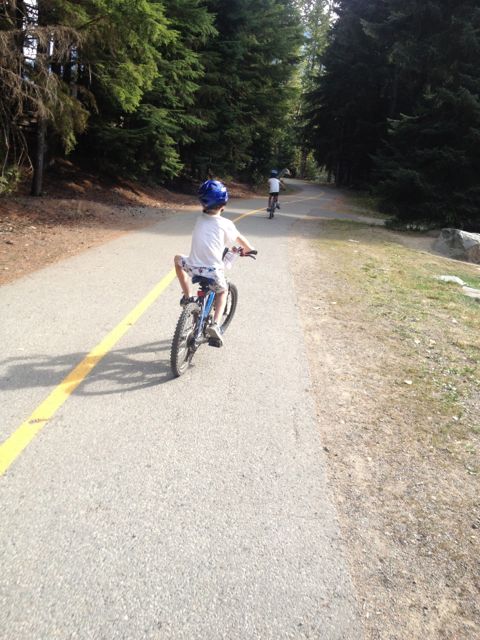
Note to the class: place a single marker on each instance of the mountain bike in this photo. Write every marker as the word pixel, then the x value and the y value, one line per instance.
pixel 197 315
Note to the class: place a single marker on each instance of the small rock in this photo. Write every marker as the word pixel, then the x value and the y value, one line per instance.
pixel 408 382
pixel 453 279
pixel 472 293
pixel 9 242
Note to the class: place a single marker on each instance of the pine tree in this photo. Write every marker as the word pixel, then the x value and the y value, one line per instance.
pixel 317 17
pixel 347 114
pixel 34 44
pixel 244 97
pixel 430 165
pixel 140 129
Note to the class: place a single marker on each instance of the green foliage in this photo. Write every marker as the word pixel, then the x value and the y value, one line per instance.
pixel 145 110
pixel 430 166
pixel 397 104
pixel 245 96
pixel 9 180
pixel 347 110
pixel 145 88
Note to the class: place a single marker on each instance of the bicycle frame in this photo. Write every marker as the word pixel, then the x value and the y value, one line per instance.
pixel 207 305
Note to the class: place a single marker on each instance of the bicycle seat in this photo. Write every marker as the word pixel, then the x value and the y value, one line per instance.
pixel 202 281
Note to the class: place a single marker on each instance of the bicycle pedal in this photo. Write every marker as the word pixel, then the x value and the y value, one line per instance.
pixel 214 342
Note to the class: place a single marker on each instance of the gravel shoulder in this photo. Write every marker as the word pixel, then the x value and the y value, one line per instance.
pixel 394 358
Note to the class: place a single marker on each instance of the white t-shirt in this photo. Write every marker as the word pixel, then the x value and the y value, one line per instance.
pixel 210 237
pixel 274 185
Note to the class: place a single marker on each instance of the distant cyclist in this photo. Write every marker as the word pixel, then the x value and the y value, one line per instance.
pixel 274 186
pixel 211 235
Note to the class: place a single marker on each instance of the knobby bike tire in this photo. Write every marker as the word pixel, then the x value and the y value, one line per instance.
pixel 180 353
pixel 231 307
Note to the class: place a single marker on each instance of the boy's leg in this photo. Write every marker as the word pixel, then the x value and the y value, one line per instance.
pixel 220 304
pixel 182 277
pixel 214 331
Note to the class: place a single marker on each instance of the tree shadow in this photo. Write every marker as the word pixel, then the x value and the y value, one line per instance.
pixel 120 371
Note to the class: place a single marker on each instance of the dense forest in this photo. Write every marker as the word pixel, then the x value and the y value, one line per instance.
pixel 378 94
pixel 396 107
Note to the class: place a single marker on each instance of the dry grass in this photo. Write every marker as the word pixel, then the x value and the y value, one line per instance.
pixel 431 323
pixel 394 355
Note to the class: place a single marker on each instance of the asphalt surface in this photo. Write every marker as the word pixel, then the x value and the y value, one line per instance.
pixel 154 508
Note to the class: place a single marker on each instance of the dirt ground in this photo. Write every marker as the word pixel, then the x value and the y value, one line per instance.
pixel 403 473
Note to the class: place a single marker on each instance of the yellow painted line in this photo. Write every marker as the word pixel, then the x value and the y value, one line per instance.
pixel 16 443
pixel 11 448
pixel 249 213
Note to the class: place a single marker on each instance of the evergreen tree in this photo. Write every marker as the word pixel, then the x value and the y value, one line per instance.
pixel 347 115
pixel 144 111
pixel 430 165
pixel 317 17
pixel 244 97
pixel 34 44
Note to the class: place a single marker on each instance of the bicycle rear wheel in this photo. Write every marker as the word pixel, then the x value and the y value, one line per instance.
pixel 230 307
pixel 183 343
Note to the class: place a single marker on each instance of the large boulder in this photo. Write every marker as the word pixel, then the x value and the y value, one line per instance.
pixel 460 245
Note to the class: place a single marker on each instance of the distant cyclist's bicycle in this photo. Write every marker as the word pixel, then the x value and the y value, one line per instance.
pixel 197 316
pixel 272 205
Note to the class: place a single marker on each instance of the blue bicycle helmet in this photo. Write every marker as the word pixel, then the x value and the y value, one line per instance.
pixel 213 194
pixel 273 173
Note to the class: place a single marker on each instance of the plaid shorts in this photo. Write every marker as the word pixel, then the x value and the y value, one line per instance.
pixel 215 274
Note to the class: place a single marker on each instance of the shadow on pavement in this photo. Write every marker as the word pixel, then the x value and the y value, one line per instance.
pixel 120 371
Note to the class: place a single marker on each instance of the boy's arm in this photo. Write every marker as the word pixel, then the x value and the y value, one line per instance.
pixel 243 242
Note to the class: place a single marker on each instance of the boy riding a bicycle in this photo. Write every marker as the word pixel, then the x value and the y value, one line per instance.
pixel 211 235
pixel 274 186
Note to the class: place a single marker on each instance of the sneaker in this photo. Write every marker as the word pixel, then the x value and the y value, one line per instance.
pixel 213 331
pixel 278 206
pixel 184 300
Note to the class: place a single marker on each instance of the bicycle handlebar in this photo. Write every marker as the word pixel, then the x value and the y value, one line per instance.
pixel 249 254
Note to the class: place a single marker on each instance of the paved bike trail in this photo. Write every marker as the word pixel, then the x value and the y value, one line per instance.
pixel 153 508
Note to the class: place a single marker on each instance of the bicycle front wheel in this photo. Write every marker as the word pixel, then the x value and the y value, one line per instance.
pixel 230 307
pixel 183 343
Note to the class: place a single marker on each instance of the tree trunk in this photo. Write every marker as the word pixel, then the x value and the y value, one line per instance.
pixel 303 162
pixel 394 97
pixel 39 160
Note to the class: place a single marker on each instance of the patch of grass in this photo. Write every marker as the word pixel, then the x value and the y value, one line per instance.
pixel 432 324
pixel 366 203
